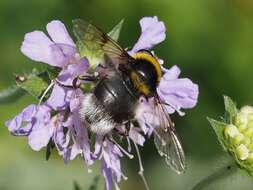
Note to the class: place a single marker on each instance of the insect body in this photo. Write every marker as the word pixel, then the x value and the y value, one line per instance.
pixel 115 97
pixel 122 80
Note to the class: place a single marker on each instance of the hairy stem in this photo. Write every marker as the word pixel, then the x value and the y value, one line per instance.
pixel 221 173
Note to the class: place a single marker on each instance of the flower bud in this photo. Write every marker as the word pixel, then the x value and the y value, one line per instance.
pixel 238 139
pixel 250 117
pixel 246 141
pixel 241 118
pixel 250 124
pixel 242 152
pixel 242 127
pixel 248 132
pixel 231 130
pixel 247 109
pixel 250 157
pixel 250 146
pixel 237 135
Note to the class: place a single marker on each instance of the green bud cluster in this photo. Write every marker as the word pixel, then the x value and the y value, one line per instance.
pixel 239 137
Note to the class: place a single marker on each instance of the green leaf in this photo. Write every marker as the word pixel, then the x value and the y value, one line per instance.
pixel 10 94
pixel 35 84
pixel 219 131
pixel 230 108
pixel 52 72
pixel 115 32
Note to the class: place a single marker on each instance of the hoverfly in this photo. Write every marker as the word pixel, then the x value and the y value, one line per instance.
pixel 122 79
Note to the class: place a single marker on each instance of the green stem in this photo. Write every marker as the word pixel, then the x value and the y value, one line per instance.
pixel 222 173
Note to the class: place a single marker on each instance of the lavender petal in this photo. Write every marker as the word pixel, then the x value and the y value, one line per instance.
pixel 58 33
pixel 152 33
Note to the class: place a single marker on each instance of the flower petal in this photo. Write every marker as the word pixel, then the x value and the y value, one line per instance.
pixel 82 138
pixel 21 119
pixel 60 97
pixel 24 131
pixel 172 73
pixel 42 129
pixel 153 32
pixel 75 101
pixel 177 92
pixel 39 136
pixel 147 117
pixel 15 123
pixel 38 47
pixel 62 54
pixel 58 33
pixel 107 173
pixel 98 145
pixel 135 135
pixel 68 74
pixel 75 150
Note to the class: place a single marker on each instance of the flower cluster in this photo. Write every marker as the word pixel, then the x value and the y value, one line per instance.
pixel 236 134
pixel 56 118
pixel 240 134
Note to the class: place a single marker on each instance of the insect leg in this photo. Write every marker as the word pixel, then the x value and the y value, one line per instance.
pixel 88 78
pixel 74 85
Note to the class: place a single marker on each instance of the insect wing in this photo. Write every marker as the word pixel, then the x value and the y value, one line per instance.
pixel 167 141
pixel 96 45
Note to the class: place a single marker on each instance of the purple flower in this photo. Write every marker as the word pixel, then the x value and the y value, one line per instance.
pixel 40 126
pixel 77 130
pixel 38 47
pixel 152 33
pixel 136 136
pixel 22 123
pixel 107 173
pixel 146 116
pixel 57 119
pixel 34 122
pixel 109 154
pixel 59 51
pixel 176 92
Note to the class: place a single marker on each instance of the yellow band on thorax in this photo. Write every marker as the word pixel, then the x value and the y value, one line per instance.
pixel 150 59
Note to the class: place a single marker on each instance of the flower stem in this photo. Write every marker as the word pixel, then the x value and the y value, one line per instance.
pixel 141 170
pixel 221 173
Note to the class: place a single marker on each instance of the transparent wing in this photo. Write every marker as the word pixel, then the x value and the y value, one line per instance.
pixel 166 139
pixel 93 42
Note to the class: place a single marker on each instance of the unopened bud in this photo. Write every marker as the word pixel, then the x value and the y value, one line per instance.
pixel 231 130
pixel 246 141
pixel 247 109
pixel 250 146
pixel 242 152
pixel 248 132
pixel 242 127
pixel 250 124
pixel 238 138
pixel 250 157
pixel 250 117
pixel 241 118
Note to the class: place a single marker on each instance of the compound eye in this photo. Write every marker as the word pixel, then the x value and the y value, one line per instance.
pixel 146 51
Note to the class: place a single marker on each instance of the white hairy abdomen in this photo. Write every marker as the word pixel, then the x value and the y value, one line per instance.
pixel 95 115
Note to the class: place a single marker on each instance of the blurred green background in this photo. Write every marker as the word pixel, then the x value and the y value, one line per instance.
pixel 210 40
